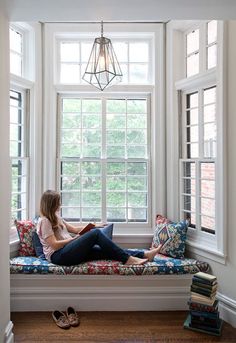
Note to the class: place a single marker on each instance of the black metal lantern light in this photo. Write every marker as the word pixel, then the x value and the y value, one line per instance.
pixel 103 69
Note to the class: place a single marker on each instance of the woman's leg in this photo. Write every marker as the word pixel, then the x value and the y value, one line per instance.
pixel 80 250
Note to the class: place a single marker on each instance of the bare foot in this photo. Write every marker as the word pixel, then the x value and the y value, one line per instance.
pixel 150 254
pixel 136 260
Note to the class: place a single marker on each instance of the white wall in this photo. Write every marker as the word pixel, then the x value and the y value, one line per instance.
pixel 107 10
pixel 5 323
pixel 226 274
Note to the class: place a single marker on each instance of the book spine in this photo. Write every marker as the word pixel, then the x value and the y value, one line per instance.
pixel 204 308
pixel 203 291
pixel 206 315
pixel 207 282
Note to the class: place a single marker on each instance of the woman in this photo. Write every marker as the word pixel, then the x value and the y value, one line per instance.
pixel 61 248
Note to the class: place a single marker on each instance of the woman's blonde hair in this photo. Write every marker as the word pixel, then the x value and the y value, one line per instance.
pixel 49 204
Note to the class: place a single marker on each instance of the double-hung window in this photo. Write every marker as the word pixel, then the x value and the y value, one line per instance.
pixel 201 126
pixel 19 154
pixel 104 158
pixel 198 159
pixel 104 146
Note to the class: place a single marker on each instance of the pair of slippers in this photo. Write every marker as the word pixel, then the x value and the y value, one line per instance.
pixel 66 320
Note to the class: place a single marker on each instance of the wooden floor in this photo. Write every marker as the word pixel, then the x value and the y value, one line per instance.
pixel 117 327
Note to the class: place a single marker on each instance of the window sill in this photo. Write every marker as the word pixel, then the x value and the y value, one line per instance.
pixel 206 251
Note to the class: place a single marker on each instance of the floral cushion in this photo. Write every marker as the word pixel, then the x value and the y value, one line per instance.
pixel 171 235
pixel 25 230
pixel 160 265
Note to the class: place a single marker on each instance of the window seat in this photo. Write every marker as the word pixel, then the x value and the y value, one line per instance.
pixel 161 265
pixel 161 285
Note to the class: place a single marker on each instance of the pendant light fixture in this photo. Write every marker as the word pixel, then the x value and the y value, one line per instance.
pixel 103 69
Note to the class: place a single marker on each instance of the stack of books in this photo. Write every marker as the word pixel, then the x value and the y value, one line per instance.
pixel 203 305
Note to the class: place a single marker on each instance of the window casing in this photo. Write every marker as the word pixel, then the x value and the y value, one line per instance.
pixel 19 154
pixel 201 48
pixel 134 56
pixel 197 165
pixel 104 158
pixel 16 51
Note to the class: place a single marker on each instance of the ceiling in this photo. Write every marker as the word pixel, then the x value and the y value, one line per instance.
pixel 117 10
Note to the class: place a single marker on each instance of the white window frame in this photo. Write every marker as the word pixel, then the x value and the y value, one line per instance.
pixel 51 88
pixel 25 146
pixel 203 45
pixel 30 83
pixel 104 159
pixel 126 38
pixel 214 249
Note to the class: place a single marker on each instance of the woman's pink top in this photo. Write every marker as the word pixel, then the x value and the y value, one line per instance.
pixel 45 230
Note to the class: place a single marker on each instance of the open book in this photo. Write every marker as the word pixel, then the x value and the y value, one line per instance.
pixel 87 228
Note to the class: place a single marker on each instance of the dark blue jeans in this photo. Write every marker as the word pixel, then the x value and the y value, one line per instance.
pixel 93 245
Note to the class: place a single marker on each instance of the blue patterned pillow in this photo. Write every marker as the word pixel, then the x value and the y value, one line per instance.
pixel 37 245
pixel 172 236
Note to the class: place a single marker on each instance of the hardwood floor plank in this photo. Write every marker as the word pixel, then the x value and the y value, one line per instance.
pixel 115 327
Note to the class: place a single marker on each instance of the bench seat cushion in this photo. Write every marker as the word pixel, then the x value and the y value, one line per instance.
pixel 161 265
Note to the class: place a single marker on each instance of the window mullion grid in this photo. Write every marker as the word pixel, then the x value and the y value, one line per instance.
pixel 126 160
pixel 104 161
pixel 202 48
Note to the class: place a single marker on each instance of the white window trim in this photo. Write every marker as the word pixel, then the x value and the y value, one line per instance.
pixel 139 227
pixel 31 83
pixel 175 58
pixel 158 106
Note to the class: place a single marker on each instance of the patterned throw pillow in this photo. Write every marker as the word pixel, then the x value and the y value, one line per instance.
pixel 25 230
pixel 171 235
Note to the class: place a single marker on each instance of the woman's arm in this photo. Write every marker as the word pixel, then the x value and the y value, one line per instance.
pixel 72 228
pixel 55 244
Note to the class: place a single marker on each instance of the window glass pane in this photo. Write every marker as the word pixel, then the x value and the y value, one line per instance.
pixel 212 31
pixel 210 140
pixel 16 41
pixel 137 168
pixel 70 52
pixel 208 171
pixel 91 214
pixel 211 56
pixel 192 117
pixel 192 134
pixel 124 70
pixel 192 100
pixel 192 41
pixel 137 106
pixel 208 207
pixel 121 51
pixel 70 121
pixel 116 106
pixel 137 215
pixel 70 199
pixel 116 121
pixel 16 64
pixel 209 95
pixel 189 186
pixel 137 199
pixel 136 121
pixel 138 73
pixel 208 188
pixel 193 64
pixel 125 182
pixel 189 169
pixel 116 214
pixel 70 73
pixel 71 105
pixel 192 150
pixel 209 113
pixel 138 52
pixel 86 48
pixel 208 224
pixel 189 203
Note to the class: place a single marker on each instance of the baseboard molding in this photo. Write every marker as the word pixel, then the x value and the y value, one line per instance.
pixel 8 335
pixel 227 307
pixel 100 293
